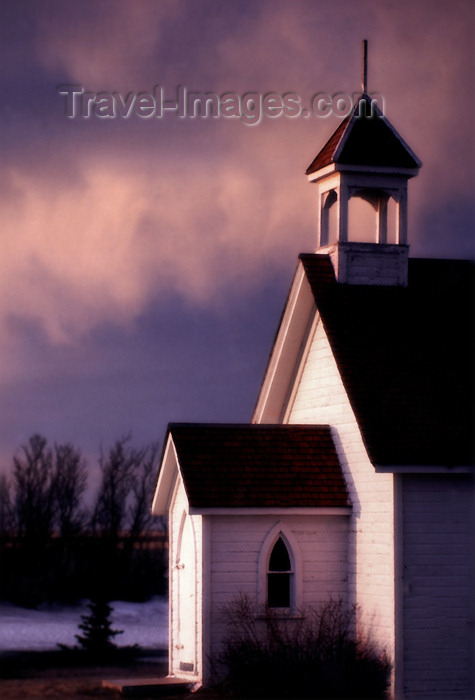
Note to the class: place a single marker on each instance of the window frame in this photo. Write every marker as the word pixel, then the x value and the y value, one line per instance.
pixel 274 574
pixel 280 531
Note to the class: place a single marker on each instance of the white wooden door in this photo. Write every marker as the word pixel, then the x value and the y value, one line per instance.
pixel 185 582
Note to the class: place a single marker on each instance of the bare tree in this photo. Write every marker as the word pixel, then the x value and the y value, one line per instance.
pixel 33 477
pixel 70 480
pixel 7 519
pixel 110 512
pixel 42 510
pixel 144 473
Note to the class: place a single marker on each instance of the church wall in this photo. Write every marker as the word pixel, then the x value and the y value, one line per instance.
pixel 237 543
pixel 437 585
pixel 319 397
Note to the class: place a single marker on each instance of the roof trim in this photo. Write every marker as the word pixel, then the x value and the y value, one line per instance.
pixel 423 469
pixel 272 510
pixel 167 476
pixel 296 321
pixel 333 150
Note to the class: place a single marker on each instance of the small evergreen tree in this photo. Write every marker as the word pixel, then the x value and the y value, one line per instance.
pixel 98 633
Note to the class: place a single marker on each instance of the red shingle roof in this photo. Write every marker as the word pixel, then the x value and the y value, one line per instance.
pixel 326 155
pixel 406 357
pixel 367 141
pixel 253 466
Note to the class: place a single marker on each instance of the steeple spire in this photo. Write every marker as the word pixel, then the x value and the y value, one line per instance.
pixel 364 68
pixel 364 159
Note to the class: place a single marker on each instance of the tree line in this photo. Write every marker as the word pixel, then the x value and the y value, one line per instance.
pixel 54 547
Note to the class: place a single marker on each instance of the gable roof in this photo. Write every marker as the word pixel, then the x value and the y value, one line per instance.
pixel 248 466
pixel 406 357
pixel 366 140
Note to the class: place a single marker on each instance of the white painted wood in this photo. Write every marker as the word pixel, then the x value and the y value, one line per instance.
pixel 357 181
pixel 438 586
pixel 285 356
pixel 416 579
pixel 320 175
pixel 185 576
pixel 270 511
pixel 186 605
pixel 319 397
pixel 237 548
pixel 166 480
pixel 369 263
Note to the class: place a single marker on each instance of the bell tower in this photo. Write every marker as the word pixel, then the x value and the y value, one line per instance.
pixel 365 160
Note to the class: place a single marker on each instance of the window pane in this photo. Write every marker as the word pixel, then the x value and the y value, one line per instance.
pixel 278 590
pixel 279 559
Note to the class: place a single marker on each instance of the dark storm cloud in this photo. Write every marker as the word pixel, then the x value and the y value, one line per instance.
pixel 106 222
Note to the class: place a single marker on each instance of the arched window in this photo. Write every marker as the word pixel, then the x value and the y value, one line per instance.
pixel 279 577
pixel 329 224
pixel 280 571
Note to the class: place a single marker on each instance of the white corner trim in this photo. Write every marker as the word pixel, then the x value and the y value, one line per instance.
pixel 397 675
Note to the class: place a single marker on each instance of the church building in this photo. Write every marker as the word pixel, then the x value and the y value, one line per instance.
pixel 355 477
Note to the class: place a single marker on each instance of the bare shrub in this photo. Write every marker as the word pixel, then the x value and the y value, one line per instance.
pixel 315 654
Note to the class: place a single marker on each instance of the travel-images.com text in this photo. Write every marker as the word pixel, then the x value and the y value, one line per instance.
pixel 250 108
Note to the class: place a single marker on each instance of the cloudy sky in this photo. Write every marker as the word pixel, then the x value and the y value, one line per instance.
pixel 144 260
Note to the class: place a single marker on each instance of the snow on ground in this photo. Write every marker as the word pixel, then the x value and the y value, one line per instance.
pixel 145 624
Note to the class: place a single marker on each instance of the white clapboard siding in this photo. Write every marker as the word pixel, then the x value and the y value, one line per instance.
pixel 438 603
pixel 319 397
pixel 235 549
